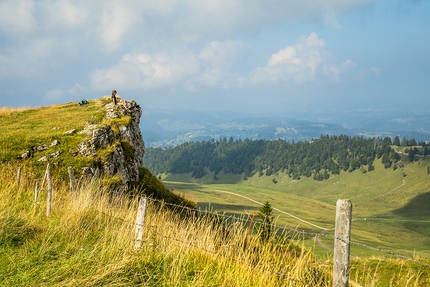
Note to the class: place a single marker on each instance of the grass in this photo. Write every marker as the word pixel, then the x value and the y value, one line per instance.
pixel 88 240
pixel 23 130
pixel 390 210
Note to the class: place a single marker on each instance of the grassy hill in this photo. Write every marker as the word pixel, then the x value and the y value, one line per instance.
pixel 88 239
pixel 33 131
pixel 390 207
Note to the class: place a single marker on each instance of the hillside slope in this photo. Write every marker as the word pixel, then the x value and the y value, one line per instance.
pixel 97 140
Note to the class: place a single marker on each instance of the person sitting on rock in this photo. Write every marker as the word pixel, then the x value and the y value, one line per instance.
pixel 114 97
pixel 121 102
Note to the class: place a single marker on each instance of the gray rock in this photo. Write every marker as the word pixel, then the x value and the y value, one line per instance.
pixel 42 147
pixel 86 170
pixel 103 137
pixel 43 159
pixel 26 155
pixel 54 143
pixel 55 154
pixel 111 114
pixel 89 128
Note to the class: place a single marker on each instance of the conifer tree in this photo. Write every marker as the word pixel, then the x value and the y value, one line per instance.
pixel 266 216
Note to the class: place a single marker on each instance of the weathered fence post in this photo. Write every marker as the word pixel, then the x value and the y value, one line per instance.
pixel 48 177
pixel 36 196
pixel 18 177
pixel 44 177
pixel 342 243
pixel 250 225
pixel 72 180
pixel 140 221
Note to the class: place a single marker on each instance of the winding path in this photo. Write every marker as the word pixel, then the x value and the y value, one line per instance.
pixel 278 210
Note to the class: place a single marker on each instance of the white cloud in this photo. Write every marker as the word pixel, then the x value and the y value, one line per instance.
pixel 303 62
pixel 43 38
pixel 213 66
pixel 139 70
pixel 64 15
pixel 16 17
pixel 223 52
pixel 115 22
pixel 77 90
pixel 174 69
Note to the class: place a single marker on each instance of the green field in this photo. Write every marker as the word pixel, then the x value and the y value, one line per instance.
pixel 391 209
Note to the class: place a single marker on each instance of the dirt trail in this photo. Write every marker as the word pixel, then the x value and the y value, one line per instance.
pixel 278 210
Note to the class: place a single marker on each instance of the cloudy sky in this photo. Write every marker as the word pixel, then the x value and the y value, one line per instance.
pixel 247 55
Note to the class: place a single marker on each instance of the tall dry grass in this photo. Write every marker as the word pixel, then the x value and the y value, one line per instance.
pixel 88 240
pixel 5 111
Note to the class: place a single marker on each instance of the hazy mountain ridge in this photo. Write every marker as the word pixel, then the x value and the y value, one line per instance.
pixel 162 128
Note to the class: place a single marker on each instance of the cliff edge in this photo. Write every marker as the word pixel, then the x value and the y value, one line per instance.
pixel 96 138
pixel 124 142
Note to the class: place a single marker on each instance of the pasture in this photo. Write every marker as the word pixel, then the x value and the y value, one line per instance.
pixel 391 208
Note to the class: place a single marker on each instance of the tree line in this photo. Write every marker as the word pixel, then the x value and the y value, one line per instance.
pixel 318 158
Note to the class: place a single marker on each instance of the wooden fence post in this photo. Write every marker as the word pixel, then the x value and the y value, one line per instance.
pixel 18 177
pixel 342 243
pixel 36 196
pixel 48 177
pixel 44 177
pixel 250 225
pixel 72 180
pixel 140 221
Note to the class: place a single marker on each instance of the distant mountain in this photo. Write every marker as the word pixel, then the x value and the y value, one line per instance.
pixel 161 128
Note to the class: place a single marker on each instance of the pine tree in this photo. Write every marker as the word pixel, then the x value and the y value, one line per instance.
pixel 266 216
pixel 396 141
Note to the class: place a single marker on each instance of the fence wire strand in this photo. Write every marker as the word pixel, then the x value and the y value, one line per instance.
pixel 244 219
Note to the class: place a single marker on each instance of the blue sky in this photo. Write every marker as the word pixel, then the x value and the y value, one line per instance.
pixel 236 55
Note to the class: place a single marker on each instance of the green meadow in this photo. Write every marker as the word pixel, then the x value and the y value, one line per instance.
pixel 391 208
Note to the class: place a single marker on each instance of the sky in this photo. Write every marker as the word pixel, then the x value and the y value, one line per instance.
pixel 235 55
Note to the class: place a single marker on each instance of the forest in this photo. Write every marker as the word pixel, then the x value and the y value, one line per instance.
pixel 317 158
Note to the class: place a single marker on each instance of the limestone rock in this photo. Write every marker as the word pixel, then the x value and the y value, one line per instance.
pixel 42 147
pixel 127 145
pixel 55 154
pixel 89 128
pixel 26 155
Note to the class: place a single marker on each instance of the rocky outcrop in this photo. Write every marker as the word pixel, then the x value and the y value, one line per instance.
pixel 123 146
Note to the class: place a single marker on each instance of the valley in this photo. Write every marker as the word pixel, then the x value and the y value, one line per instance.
pixel 390 212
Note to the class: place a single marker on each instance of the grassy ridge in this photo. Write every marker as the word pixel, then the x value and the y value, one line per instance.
pixel 27 129
pixel 23 130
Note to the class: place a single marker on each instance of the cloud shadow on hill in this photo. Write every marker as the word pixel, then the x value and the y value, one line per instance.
pixel 417 206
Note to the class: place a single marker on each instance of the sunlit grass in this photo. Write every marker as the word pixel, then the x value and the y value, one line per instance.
pixel 377 196
pixel 88 240
pixel 5 111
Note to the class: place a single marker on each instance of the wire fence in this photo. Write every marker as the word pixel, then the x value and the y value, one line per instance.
pixel 244 220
